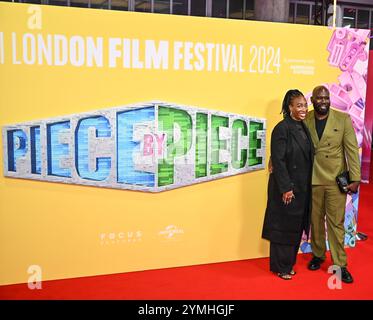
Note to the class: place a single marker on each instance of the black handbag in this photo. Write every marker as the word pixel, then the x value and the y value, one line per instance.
pixel 343 180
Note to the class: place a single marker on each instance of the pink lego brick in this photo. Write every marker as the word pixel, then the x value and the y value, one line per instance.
pixel 337 46
pixel 339 98
pixel 353 53
pixel 357 118
pixel 354 84
pixel 360 84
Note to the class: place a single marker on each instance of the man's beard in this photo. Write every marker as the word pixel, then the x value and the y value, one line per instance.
pixel 322 111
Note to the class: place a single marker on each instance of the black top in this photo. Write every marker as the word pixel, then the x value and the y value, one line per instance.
pixel 320 126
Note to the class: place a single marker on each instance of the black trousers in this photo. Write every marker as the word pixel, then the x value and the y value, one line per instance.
pixel 282 257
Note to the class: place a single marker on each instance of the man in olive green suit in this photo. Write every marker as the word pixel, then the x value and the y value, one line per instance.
pixel 336 150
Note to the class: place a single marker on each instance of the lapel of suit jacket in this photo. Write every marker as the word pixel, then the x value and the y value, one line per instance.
pixel 329 127
pixel 294 131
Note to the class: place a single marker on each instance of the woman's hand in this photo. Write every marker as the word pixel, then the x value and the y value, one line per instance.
pixel 287 197
pixel 270 167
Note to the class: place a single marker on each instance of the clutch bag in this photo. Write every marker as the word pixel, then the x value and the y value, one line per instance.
pixel 343 180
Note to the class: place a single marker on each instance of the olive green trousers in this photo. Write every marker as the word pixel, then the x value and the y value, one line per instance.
pixel 328 204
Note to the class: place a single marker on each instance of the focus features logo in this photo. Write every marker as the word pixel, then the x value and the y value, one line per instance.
pixel 121 237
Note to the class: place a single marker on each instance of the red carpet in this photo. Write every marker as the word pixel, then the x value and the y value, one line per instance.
pixel 242 280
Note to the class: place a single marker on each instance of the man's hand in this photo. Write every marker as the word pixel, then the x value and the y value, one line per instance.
pixel 353 187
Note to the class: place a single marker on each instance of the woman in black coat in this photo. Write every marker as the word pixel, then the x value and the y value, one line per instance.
pixel 289 187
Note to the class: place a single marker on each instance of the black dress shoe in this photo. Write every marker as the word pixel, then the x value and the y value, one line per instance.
pixel 315 263
pixel 346 276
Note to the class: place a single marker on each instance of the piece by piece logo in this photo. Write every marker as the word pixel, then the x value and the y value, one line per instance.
pixel 150 147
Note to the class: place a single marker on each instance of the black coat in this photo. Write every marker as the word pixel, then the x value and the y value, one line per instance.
pixel 292 164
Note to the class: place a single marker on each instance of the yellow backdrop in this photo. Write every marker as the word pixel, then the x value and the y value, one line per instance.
pixel 73 231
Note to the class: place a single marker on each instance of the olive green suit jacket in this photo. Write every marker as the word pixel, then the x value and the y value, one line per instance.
pixel 337 150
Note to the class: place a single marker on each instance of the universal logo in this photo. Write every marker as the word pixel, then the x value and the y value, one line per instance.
pixel 171 232
pixel 148 147
pixel 122 237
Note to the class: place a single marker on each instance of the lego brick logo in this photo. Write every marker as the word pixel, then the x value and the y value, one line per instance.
pixel 147 147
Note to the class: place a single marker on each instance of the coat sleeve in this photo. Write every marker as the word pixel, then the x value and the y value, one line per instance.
pixel 351 149
pixel 279 140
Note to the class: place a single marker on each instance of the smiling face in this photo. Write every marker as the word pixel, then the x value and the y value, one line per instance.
pixel 321 101
pixel 298 108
